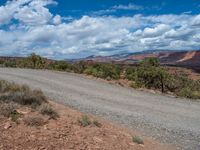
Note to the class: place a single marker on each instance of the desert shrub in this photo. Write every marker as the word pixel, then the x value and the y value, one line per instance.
pixel 11 87
pixel 26 98
pixel 105 71
pixel 188 92
pixel 137 139
pixel 130 73
pixel 183 86
pixel 14 115
pixel 11 92
pixel 3 86
pixel 137 85
pixel 150 75
pixel 35 61
pixel 46 109
pixel 6 109
pixel 61 66
pixel 90 71
pixel 9 110
pixel 7 87
pixel 80 67
pixel 24 63
pixel 34 121
pixel 84 121
pixel 10 63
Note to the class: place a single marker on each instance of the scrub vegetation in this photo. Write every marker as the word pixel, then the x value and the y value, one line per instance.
pixel 14 97
pixel 147 74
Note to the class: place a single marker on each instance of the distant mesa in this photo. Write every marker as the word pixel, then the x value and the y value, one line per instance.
pixel 167 57
pixel 185 58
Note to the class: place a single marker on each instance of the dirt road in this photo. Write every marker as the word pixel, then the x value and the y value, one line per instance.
pixel 170 120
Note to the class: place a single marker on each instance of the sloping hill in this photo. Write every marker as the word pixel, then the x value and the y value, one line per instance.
pixel 180 58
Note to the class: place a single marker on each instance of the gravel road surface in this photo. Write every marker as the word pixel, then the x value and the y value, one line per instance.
pixel 169 120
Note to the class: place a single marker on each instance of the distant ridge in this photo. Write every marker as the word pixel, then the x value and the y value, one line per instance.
pixel 166 57
pixel 169 57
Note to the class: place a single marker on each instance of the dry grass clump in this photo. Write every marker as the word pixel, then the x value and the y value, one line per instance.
pixel 85 121
pixel 97 123
pixel 34 121
pixel 6 109
pixel 13 96
pixel 23 95
pixel 9 110
pixel 46 109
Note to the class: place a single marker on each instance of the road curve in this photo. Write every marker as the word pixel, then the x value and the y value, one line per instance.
pixel 170 120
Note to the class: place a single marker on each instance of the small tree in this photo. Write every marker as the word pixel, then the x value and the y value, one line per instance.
pixel 150 74
pixel 33 58
pixel 36 61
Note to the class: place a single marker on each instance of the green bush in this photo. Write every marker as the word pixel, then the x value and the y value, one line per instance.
pixel 14 115
pixel 137 139
pixel 90 71
pixel 150 74
pixel 11 64
pixel 85 121
pixel 105 71
pixel 183 86
pixel 61 66
pixel 79 67
pixel 130 73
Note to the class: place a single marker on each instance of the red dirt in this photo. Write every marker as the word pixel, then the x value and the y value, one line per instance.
pixel 188 56
pixel 65 133
pixel 142 56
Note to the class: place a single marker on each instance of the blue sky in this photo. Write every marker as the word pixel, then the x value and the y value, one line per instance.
pixel 62 29
pixel 84 7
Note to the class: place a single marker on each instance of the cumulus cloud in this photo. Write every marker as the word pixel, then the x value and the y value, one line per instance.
pixel 57 20
pixel 53 37
pixel 31 12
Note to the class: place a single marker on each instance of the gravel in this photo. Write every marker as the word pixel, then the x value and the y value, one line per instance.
pixel 167 119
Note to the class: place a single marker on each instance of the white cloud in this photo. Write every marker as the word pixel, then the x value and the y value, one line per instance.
pixel 32 12
pixel 57 20
pixel 47 34
pixel 128 7
pixel 116 8
pixel 9 10
pixel 104 12
pixel 33 16
pixel 156 31
pixel 196 21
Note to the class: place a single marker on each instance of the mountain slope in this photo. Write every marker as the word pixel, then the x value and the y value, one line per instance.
pixel 191 58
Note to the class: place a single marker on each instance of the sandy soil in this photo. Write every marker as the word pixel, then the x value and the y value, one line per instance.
pixel 66 133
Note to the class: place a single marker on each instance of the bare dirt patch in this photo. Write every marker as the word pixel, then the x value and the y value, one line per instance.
pixel 66 133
